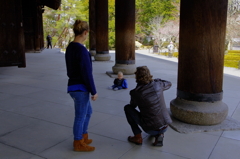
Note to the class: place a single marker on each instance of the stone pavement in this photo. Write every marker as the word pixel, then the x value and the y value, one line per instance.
pixel 36 115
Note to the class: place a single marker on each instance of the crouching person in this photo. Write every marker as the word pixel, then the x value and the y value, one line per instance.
pixel 153 116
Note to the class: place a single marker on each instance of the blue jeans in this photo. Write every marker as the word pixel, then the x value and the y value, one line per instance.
pixel 134 120
pixel 83 111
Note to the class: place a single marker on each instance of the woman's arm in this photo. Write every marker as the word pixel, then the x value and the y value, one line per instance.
pixel 86 64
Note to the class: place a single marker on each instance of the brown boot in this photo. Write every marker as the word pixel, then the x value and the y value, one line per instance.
pixel 86 140
pixel 137 139
pixel 80 145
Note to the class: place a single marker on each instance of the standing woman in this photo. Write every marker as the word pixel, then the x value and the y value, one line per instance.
pixel 80 85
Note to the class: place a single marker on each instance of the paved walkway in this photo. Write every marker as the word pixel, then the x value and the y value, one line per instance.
pixel 227 70
pixel 36 115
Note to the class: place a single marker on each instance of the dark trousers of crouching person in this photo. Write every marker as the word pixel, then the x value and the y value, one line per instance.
pixel 134 119
pixel 153 116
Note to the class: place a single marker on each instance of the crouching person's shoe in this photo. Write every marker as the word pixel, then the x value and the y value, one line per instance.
pixel 137 139
pixel 158 140
pixel 80 145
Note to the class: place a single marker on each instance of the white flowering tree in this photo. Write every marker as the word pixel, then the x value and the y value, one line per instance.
pixel 155 25
pixel 168 31
pixel 233 22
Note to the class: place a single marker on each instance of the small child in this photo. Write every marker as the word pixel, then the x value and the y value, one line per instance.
pixel 119 83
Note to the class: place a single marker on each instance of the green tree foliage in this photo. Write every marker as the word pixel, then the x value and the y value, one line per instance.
pixel 150 9
pixel 111 23
pixel 58 23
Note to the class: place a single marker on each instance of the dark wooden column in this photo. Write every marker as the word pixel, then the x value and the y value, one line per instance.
pixel 37 28
pixel 200 67
pixel 125 36
pixel 33 25
pixel 92 24
pixel 28 21
pixel 41 27
pixel 30 25
pixel 102 51
pixel 12 46
pixel 40 39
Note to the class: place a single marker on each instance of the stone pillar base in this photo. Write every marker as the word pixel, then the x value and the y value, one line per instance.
pixel 199 113
pixel 102 57
pixel 124 68
pixel 92 52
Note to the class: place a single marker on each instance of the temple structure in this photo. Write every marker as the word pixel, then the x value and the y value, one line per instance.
pixel 201 48
pixel 21 29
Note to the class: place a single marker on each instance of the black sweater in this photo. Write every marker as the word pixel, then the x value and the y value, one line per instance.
pixel 79 66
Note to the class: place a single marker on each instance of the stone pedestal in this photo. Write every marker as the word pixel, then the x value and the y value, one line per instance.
pixel 199 113
pixel 126 69
pixel 102 57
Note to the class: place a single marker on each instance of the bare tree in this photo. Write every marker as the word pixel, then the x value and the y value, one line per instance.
pixel 168 31
pixel 233 7
pixel 157 33
pixel 172 30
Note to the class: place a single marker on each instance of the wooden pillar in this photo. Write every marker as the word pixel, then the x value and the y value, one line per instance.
pixel 12 46
pixel 28 24
pixel 33 25
pixel 125 36
pixel 37 28
pixel 41 28
pixel 200 66
pixel 102 51
pixel 92 24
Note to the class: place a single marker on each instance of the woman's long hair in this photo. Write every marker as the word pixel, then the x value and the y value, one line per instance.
pixel 143 75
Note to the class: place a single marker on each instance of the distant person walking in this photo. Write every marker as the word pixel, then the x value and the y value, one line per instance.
pixel 80 85
pixel 170 49
pixel 153 116
pixel 49 41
